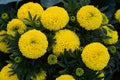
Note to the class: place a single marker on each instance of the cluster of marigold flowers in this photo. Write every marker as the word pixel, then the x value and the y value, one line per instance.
pixel 33 43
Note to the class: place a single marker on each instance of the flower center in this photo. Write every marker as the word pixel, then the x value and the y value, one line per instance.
pixel 33 41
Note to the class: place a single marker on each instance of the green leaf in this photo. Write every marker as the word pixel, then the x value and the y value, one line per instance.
pixel 105 3
pixel 48 3
pixel 8 1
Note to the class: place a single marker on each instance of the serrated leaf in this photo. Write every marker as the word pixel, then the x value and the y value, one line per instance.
pixel 104 3
pixel 63 71
pixel 62 65
pixel 48 3
pixel 8 1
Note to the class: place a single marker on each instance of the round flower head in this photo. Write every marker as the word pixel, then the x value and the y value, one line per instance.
pixel 15 25
pixel 65 77
pixel 54 18
pixel 33 44
pixel 95 56
pixel 65 39
pixel 5 73
pixel 3 44
pixel 117 15
pixel 33 8
pixel 89 17
pixel 112 34
pixel 40 76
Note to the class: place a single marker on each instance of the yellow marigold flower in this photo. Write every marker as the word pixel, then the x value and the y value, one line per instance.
pixel 54 18
pixel 6 75
pixel 117 15
pixel 40 76
pixel 3 44
pixel 33 8
pixel 65 39
pixel 112 34
pixel 95 56
pixel 65 77
pixel 33 44
pixel 15 25
pixel 89 17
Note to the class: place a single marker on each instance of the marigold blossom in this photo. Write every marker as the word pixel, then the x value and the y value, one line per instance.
pixel 54 18
pixel 3 44
pixel 15 25
pixel 40 76
pixel 33 44
pixel 6 75
pixel 89 17
pixel 112 34
pixel 117 15
pixel 95 56
pixel 65 77
pixel 65 39
pixel 33 8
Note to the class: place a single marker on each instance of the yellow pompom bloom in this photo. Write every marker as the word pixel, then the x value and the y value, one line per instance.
pixel 3 44
pixel 6 75
pixel 54 18
pixel 33 8
pixel 95 56
pixel 65 77
pixel 65 39
pixel 0 75
pixel 40 76
pixel 117 15
pixel 89 17
pixel 15 25
pixel 33 44
pixel 112 34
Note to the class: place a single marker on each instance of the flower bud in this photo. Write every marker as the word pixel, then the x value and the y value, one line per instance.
pixel 112 49
pixel 72 18
pixel 79 71
pixel 17 59
pixel 4 16
pixel 52 59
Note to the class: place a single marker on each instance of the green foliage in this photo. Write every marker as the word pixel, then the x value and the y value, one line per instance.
pixel 67 64
pixel 3 59
pixel 109 4
pixel 69 61
pixel 11 13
